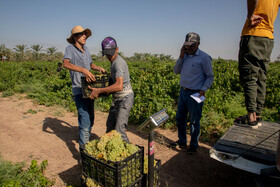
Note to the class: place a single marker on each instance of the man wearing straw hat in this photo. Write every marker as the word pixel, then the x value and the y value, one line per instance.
pixel 78 60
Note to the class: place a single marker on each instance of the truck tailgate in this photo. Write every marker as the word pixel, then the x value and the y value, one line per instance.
pixel 248 149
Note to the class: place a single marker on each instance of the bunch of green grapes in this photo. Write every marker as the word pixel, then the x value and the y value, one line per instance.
pixel 90 182
pixel 146 163
pixel 110 147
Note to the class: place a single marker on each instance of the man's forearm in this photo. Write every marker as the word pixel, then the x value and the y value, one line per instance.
pixel 251 7
pixel 94 67
pixel 72 67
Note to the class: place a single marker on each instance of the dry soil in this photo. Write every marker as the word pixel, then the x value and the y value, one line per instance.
pixel 51 133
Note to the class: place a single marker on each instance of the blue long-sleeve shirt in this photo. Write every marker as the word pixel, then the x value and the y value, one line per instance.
pixel 196 71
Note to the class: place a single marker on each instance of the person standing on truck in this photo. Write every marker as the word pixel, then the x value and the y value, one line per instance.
pixel 195 67
pixel 123 96
pixel 78 60
pixel 256 45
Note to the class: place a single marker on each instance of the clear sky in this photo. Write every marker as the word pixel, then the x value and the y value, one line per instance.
pixel 142 26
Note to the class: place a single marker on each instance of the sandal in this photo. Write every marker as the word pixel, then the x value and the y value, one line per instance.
pixel 259 119
pixel 253 123
pixel 242 119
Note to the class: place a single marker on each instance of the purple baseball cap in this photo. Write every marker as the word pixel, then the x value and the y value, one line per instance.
pixel 109 46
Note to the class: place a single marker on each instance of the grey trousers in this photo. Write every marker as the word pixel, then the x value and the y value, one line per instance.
pixel 119 114
pixel 254 56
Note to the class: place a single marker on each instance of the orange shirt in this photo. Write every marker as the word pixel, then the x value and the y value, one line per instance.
pixel 268 9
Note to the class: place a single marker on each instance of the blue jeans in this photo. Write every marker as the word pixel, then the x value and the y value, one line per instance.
pixel 85 109
pixel 188 105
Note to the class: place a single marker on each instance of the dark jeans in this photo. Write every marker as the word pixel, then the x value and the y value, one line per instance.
pixel 85 109
pixel 254 56
pixel 188 105
pixel 119 114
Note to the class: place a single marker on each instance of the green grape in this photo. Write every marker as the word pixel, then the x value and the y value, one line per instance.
pixel 111 147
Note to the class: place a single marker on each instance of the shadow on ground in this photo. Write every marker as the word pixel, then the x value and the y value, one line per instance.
pixel 69 134
pixel 200 170
pixel 181 170
pixel 197 170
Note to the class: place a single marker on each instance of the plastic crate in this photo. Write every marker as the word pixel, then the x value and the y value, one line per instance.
pixel 126 173
pixel 102 81
pixel 92 183
pixel 156 175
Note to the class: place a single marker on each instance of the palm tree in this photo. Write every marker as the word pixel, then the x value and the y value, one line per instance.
pixel 58 56
pixel 137 56
pixel 21 50
pixel 147 56
pixel 37 49
pixel 51 50
pixel 2 51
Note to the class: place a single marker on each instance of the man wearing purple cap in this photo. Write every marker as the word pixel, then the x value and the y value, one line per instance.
pixel 123 96
pixel 197 76
pixel 78 60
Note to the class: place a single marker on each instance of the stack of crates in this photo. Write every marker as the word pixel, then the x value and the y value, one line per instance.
pixel 102 81
pixel 125 173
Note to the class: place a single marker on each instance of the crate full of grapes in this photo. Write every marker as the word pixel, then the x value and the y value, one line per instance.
pixel 111 162
pixel 102 81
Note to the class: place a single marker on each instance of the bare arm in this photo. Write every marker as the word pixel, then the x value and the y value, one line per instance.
pixel 117 86
pixel 89 76
pixel 182 52
pixel 251 7
pixel 179 62
pixel 97 68
pixel 254 19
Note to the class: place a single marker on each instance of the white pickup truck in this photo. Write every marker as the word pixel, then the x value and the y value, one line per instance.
pixel 253 150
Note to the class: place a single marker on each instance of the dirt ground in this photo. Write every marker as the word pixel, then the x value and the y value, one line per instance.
pixel 52 134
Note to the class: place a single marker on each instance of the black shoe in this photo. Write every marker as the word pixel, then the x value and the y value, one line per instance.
pixel 192 150
pixel 177 144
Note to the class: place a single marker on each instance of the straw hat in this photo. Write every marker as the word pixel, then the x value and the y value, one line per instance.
pixel 78 29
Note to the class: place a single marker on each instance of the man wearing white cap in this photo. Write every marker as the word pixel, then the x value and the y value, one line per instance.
pixel 197 76
pixel 78 60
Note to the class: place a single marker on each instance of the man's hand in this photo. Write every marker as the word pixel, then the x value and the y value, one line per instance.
pixel 254 20
pixel 101 70
pixel 183 52
pixel 94 93
pixel 89 76
pixel 201 93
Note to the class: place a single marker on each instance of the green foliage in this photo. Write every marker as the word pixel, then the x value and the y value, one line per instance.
pixel 13 175
pixel 39 80
pixel 32 111
pixel 8 93
pixel 155 87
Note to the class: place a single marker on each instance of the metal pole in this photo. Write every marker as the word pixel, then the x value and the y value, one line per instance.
pixel 151 159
